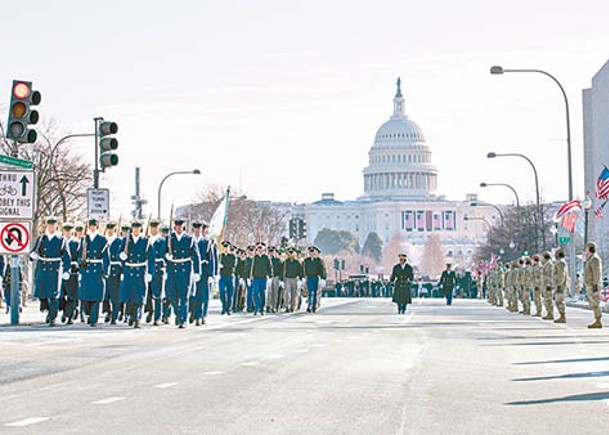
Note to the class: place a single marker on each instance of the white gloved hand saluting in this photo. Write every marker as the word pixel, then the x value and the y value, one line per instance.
pixel 122 256
pixel 65 276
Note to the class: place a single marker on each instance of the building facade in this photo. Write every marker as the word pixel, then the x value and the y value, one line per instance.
pixel 596 149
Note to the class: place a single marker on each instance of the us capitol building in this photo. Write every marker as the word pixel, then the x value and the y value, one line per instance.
pixel 400 185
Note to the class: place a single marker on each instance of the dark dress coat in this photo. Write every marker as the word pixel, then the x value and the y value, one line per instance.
pixel 401 277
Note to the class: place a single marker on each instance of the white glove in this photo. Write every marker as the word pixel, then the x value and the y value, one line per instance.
pixel 165 275
pixel 169 256
pixel 65 276
pixel 221 266
pixel 148 277
pixel 322 282
pixel 197 277
pixel 249 282
pixel 211 281
pixel 122 256
pixel 34 256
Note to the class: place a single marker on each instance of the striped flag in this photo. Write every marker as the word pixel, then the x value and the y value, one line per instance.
pixel 408 220
pixel 599 210
pixel 566 208
pixel 569 220
pixel 602 184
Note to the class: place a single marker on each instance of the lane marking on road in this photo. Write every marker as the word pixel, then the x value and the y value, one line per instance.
pixel 213 373
pixel 338 340
pixel 249 363
pixel 607 402
pixel 27 421
pixel 108 400
pixel 278 356
pixel 166 385
pixel 318 345
pixel 301 350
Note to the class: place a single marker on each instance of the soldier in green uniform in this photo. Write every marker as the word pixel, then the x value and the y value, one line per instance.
pixel 292 274
pixel 401 277
pixel 315 272
pixel 526 286
pixel 593 273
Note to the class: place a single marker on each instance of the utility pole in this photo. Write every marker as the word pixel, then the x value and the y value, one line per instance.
pixel 137 200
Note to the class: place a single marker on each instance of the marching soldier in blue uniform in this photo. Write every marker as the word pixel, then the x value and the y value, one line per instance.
pixel 70 286
pixel 158 242
pixel 113 282
pixel 184 265
pixel 94 261
pixel 52 257
pixel 209 269
pixel 138 265
pixel 66 232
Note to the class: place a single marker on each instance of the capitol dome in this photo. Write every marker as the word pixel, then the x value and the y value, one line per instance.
pixel 399 164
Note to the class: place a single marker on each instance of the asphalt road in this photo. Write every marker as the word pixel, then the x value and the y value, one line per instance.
pixel 356 367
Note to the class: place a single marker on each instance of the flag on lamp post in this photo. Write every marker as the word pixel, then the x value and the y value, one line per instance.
pixel 218 220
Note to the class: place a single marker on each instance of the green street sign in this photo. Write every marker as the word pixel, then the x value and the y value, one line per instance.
pixel 8 160
pixel 564 240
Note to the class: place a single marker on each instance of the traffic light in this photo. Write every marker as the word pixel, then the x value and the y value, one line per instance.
pixel 107 144
pixel 342 264
pixel 302 233
pixel 336 263
pixel 293 228
pixel 20 115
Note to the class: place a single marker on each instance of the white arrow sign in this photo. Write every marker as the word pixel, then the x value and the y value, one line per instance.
pixel 17 194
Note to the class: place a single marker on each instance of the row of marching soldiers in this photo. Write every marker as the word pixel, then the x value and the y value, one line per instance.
pixel 547 278
pixel 127 273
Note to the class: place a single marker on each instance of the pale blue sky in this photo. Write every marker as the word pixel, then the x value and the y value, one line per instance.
pixel 290 93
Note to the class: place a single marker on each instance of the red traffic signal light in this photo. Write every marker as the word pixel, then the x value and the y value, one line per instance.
pixel 20 115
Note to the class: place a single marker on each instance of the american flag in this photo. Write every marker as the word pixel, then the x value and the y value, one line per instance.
pixel 420 222
pixel 599 212
pixel 566 208
pixel 408 220
pixel 437 221
pixel 568 221
pixel 449 220
pixel 602 184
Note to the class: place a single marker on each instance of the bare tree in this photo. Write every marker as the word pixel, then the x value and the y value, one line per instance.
pixel 248 221
pixel 433 260
pixel 62 175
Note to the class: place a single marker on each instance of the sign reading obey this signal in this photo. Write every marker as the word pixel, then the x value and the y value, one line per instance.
pixel 17 194
pixel 15 237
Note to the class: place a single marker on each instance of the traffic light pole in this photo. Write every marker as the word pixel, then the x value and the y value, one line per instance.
pixel 96 167
pixel 15 296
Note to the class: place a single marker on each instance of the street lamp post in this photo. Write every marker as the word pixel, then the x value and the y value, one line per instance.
pixel 587 205
pixel 488 204
pixel 498 70
pixel 492 155
pixel 477 218
pixel 483 184
pixel 195 172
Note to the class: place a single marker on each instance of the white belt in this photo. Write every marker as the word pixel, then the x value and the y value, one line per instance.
pixel 179 260
pixel 159 260
pixel 135 264
pixel 49 259
pixel 116 263
pixel 74 263
pixel 95 261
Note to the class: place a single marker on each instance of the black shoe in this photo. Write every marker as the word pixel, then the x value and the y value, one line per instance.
pixel 93 325
pixel 198 323
pixel 113 322
pixel 261 313
pixel 191 319
pixel 52 322
pixel 107 319
pixel 177 321
pixel 131 322
pixel 149 318
pixel 121 317
pixel 203 321
pixel 255 313
pixel 63 319
pixel 137 325
pixel 181 326
pixel 228 313
pixel 70 322
pixel 165 320
pixel 155 323
pixel 308 310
